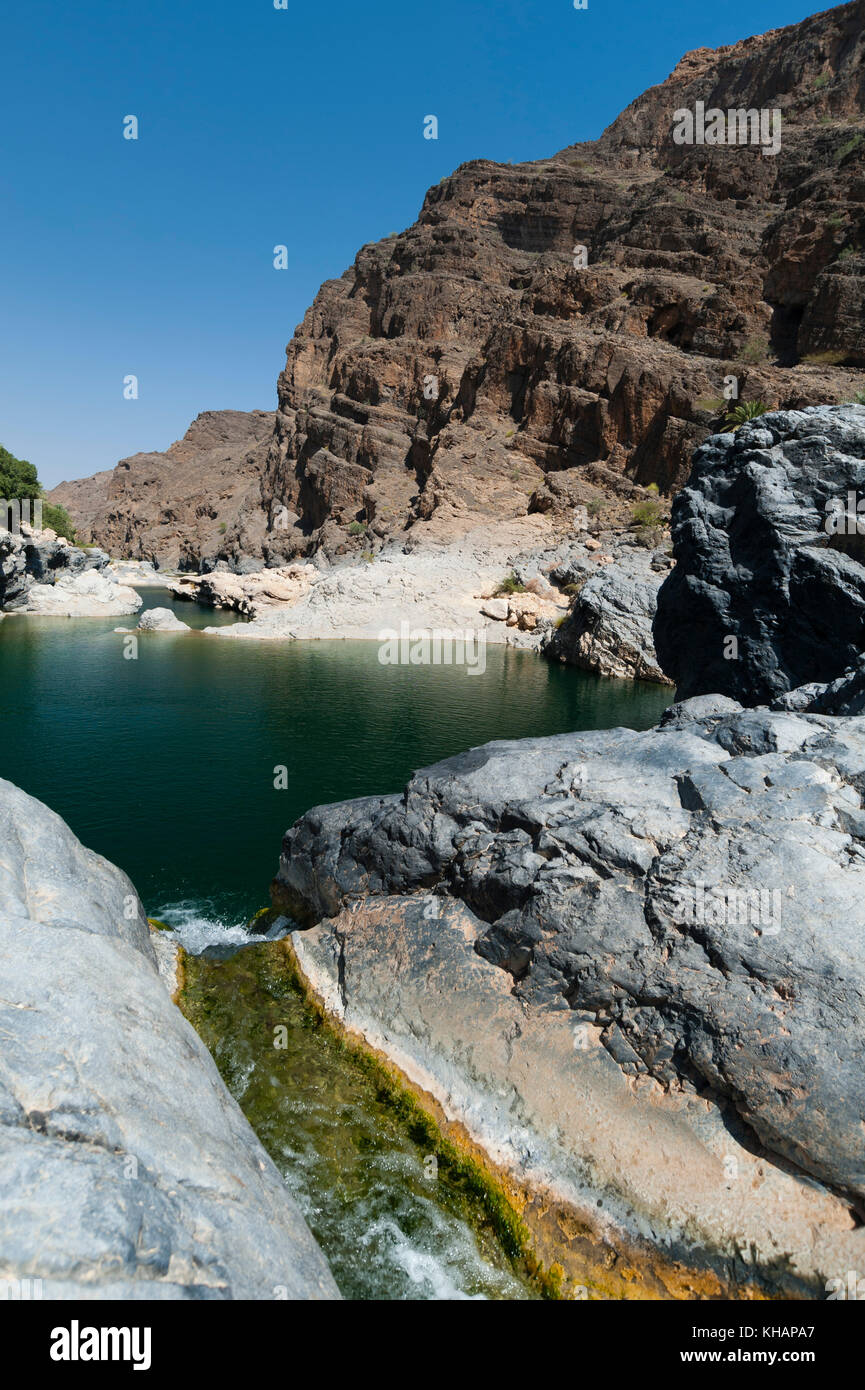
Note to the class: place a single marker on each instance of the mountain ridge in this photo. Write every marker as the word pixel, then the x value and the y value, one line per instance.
pixel 470 368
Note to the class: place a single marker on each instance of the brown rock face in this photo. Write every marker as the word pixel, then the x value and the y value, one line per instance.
pixel 197 502
pixel 479 366
pixel 471 367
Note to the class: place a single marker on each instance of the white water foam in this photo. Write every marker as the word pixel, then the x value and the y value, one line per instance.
pixel 432 1276
pixel 198 928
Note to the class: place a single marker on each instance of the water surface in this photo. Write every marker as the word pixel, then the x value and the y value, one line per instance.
pixel 167 764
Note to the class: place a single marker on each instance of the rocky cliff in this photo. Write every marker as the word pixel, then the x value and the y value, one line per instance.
pixel 473 367
pixel 468 368
pixel 126 1169
pixel 185 508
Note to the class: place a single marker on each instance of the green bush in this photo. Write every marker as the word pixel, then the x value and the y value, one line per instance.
pixel 647 513
pixel 18 478
pixel 845 150
pixel 510 585
pixel 19 482
pixel 58 519
pixel 356 528
pixel 741 414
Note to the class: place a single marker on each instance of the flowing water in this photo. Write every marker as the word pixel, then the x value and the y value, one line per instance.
pixel 185 766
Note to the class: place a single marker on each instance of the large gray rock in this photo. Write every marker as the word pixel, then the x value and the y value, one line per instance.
pixel 756 564
pixel 608 629
pixel 126 1169
pixel 698 890
pixel 43 573
pixel 632 1189
pixel 81 594
pixel 161 620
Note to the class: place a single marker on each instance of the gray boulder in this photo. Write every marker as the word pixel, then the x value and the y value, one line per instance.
pixel 764 599
pixel 608 628
pixel 38 560
pixel 697 890
pixel 126 1169
pixel 161 620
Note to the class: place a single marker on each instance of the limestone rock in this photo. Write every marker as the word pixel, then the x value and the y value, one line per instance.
pixel 495 608
pixel 634 1191
pixel 252 594
pixel 42 573
pixel 428 587
pixel 609 627
pixel 85 595
pixel 681 888
pixel 126 1169
pixel 763 598
pixel 161 620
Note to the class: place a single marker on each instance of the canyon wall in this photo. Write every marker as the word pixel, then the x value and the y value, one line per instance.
pixel 472 367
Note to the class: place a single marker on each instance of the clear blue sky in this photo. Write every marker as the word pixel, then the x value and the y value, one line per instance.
pixel 259 126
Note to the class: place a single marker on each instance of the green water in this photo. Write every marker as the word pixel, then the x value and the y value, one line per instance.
pixel 166 765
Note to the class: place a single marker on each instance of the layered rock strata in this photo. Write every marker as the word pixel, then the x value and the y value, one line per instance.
pixel 186 508
pixel 550 334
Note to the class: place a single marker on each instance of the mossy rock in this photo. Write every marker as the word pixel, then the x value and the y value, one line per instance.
pixel 155 924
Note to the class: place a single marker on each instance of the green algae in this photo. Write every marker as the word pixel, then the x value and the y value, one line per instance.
pixel 398 1209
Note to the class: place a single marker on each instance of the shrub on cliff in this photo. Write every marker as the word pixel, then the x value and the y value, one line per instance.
pixel 511 584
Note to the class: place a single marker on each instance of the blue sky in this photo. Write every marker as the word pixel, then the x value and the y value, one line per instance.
pixel 257 127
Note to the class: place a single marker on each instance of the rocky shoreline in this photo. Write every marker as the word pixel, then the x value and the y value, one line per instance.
pixel 583 600
pixel 512 941
pixel 41 573
pixel 661 933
